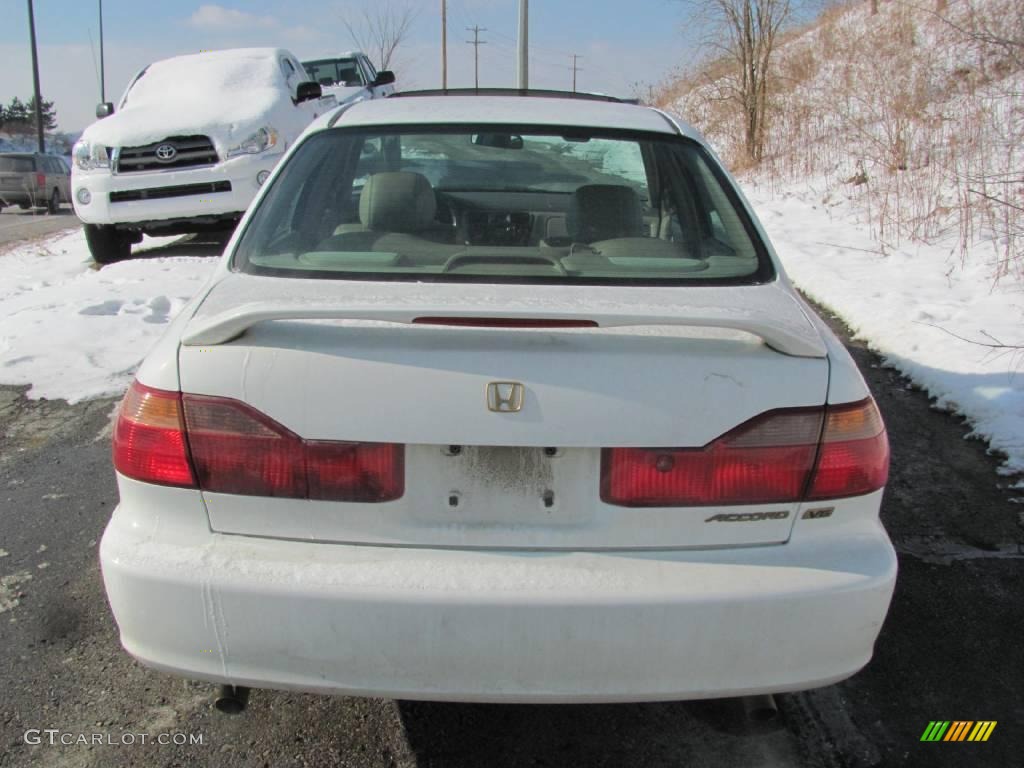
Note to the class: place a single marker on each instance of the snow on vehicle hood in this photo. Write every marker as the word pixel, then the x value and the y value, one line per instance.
pixel 226 95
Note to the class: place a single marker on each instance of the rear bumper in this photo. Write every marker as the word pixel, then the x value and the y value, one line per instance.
pixel 496 626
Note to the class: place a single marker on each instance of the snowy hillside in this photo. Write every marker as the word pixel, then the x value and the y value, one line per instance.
pixel 893 186
pixel 917 115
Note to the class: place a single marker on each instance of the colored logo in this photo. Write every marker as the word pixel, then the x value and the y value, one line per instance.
pixel 958 730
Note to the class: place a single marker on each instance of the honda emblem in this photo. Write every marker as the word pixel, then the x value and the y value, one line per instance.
pixel 505 396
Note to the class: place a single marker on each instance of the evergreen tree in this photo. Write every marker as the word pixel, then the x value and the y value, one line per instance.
pixel 49 114
pixel 17 116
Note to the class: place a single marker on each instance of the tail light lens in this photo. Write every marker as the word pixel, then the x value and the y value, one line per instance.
pixel 782 456
pixel 40 180
pixel 225 446
pixel 765 460
pixel 149 438
pixel 854 457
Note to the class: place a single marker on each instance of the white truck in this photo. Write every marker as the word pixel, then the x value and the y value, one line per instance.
pixel 189 144
pixel 350 77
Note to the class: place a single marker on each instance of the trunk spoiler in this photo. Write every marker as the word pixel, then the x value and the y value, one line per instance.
pixel 768 312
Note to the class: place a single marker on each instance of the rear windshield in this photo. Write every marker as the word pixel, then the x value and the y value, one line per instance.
pixel 484 204
pixel 17 164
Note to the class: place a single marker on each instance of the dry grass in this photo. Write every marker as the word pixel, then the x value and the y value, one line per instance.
pixel 919 117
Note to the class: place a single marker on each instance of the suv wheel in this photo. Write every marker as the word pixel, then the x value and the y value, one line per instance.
pixel 54 204
pixel 106 244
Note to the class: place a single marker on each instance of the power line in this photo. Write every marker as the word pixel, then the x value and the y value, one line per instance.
pixel 476 42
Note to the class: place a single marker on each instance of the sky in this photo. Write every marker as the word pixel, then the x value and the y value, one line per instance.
pixel 617 49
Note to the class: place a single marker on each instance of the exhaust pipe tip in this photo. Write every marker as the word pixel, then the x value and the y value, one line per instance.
pixel 760 709
pixel 231 699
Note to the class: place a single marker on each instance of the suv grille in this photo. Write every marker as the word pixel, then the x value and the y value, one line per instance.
pixel 174 152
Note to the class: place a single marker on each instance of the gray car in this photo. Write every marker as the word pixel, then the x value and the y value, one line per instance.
pixel 29 179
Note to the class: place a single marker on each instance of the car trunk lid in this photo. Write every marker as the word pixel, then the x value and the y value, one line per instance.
pixel 334 361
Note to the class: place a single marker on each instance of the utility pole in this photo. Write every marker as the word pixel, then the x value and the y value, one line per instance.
pixel 476 42
pixel 35 79
pixel 444 44
pixel 523 72
pixel 103 76
pixel 575 69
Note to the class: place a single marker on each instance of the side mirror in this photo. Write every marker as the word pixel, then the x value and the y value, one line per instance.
pixel 308 91
pixel 384 77
pixel 106 109
pixel 498 140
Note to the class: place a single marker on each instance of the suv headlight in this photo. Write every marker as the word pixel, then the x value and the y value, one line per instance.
pixel 88 156
pixel 261 141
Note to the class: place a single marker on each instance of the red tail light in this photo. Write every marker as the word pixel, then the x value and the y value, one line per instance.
pixel 765 460
pixel 237 449
pixel 149 438
pixel 234 448
pixel 782 456
pixel 854 457
pixel 40 180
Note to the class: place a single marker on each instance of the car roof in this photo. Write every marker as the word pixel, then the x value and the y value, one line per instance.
pixel 508 110
pixel 332 56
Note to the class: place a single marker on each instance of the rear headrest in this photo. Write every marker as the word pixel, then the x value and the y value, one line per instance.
pixel 397 202
pixel 604 212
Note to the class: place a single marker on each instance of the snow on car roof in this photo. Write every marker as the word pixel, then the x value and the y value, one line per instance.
pixel 193 94
pixel 509 110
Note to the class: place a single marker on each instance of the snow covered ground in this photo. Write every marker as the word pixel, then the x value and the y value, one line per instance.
pixel 910 305
pixel 75 332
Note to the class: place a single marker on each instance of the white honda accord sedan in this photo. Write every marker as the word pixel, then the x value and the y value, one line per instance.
pixel 500 398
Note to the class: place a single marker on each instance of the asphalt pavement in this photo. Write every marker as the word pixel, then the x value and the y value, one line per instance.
pixel 17 225
pixel 950 649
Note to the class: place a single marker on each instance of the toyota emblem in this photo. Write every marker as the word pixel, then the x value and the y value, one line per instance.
pixel 165 153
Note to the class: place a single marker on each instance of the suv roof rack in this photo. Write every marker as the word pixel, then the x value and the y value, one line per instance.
pixel 531 92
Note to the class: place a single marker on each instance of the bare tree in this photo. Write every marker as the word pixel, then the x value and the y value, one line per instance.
pixel 378 28
pixel 745 34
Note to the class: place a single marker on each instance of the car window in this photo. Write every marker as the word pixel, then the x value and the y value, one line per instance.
pixel 17 164
pixel 488 204
pixel 291 75
pixel 329 72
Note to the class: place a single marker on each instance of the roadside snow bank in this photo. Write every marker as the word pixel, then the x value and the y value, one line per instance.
pixel 74 332
pixel 910 305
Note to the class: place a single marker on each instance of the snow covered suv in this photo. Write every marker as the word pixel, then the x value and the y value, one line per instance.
pixel 500 398
pixel 191 141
